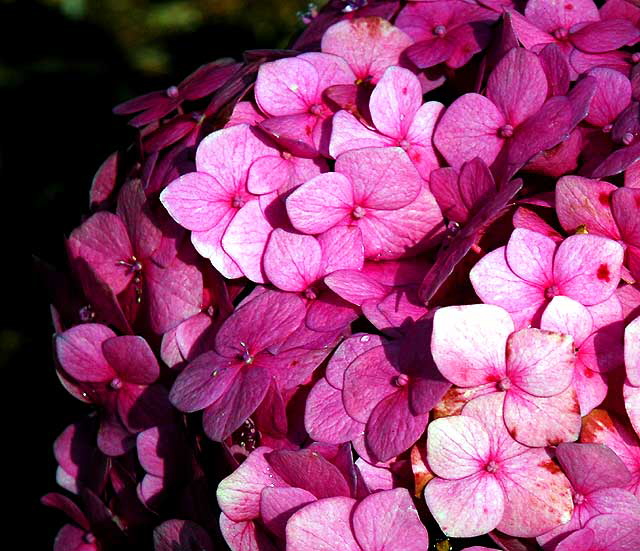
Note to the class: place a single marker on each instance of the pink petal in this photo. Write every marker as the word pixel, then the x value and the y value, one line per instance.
pixel 632 351
pixel 245 240
pixel 227 155
pixel 430 52
pixel 321 203
pixel 468 129
pixel 209 244
pixel 457 447
pixel 132 358
pixel 325 418
pixel 527 32
pixel 244 535
pixel 551 15
pixel 342 249
pixel 388 520
pixel 347 352
pixel 322 526
pixel 530 256
pixel 468 343
pixel 278 504
pixel 420 137
pixel 624 205
pixel 468 507
pixel 142 407
pixel 382 178
pixel 102 241
pixel 395 101
pixel 556 67
pixel 134 210
pixel 355 287
pixel 632 405
pixel 581 201
pixel 540 422
pixel 79 351
pixel 292 262
pixel 604 36
pixel 239 493
pixel 518 85
pixel 587 268
pixel 540 362
pixel 614 532
pixel 613 95
pixel 368 44
pixel 444 186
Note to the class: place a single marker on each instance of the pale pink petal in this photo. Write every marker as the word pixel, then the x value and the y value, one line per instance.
pixel 332 69
pixel 467 507
pixel 209 244
pixel 587 268
pixel 348 133
pixel 632 405
pixel 530 256
pixel 355 287
pixel 420 137
pixel 457 447
pixel 196 201
pixel 540 422
pixel 395 101
pixel 540 362
pixel 368 44
pixel 323 526
pixel 321 203
pixel 565 315
pixel 244 535
pixel 292 262
pixel 468 129
pixel 468 343
pixel 591 387
pixel 245 240
pixel 388 520
pixel 537 495
pixel 518 85
pixel 381 177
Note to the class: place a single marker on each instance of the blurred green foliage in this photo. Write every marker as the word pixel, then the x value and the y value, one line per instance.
pixel 141 27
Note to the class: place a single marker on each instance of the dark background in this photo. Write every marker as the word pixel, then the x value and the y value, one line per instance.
pixel 63 65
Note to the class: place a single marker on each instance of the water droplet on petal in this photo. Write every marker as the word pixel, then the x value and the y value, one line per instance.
pixel 365 338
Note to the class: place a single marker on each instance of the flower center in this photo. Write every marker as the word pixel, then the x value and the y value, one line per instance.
pixel 404 144
pixel 116 383
pixel 286 155
pixel 439 30
pixel 627 138
pixel 316 109
pixel 635 57
pixel 310 293
pixel 505 131
pixel 607 128
pixel 172 92
pixel 247 358
pixel 491 467
pixel 89 538
pixel 354 5
pixel 86 313
pixel 133 264
pixel 358 212
pixel 578 499
pixel 551 292
pixel 504 384
pixel 237 202
pixel 560 33
pixel 401 380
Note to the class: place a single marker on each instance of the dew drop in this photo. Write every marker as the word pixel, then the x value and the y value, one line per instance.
pixel 365 338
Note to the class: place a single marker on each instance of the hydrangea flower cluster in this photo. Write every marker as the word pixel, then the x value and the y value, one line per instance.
pixel 394 267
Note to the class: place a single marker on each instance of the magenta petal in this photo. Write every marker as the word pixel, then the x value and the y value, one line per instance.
pixel 381 177
pixel 556 68
pixel 587 268
pixel 605 36
pixel 540 422
pixel 342 249
pixel 278 504
pixel 310 471
pixel 614 532
pixel 132 358
pixel 245 240
pixel 241 398
pixel 102 241
pixel 624 205
pixel 321 203
pixel 551 15
pixel 79 351
pixel 428 53
pixel 632 351
pixel 466 507
pixel 141 407
pixel 292 262
pixel 244 535
pixel 468 129
pixel 392 427
pixel 264 321
pixel 355 287
pixel 388 520
pixel 613 95
pixel 202 382
pixel 325 418
pixel 518 85
pixel 591 467
pixel 348 351
pixel 72 538
pixel 239 493
pixel 181 535
pixel 581 201
pixel 322 526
